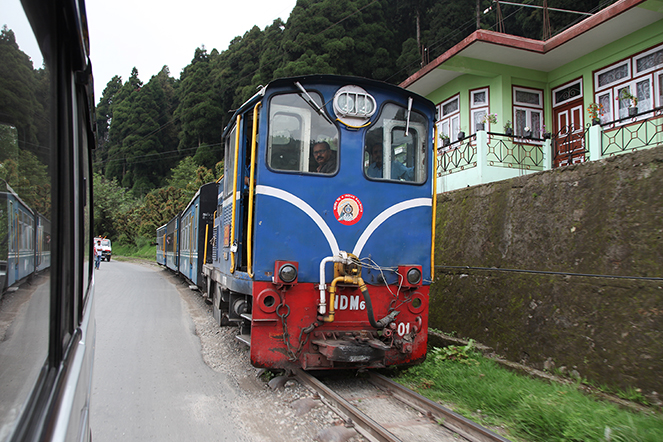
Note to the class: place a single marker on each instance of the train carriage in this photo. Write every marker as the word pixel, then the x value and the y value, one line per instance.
pixel 195 230
pixel 161 245
pixel 323 234
pixel 43 243
pixel 172 244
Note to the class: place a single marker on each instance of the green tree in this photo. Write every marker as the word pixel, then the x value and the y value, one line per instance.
pixel 199 112
pixel 110 201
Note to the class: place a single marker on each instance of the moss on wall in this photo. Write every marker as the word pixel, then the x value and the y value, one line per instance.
pixel 599 218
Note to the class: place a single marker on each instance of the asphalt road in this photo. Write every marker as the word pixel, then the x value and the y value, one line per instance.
pixel 150 381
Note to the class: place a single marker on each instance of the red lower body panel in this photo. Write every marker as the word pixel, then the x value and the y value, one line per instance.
pixel 286 330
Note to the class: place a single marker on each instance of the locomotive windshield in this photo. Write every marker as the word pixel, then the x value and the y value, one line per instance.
pixel 300 139
pixel 399 142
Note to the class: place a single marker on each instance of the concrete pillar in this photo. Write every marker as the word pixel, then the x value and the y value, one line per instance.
pixel 595 141
pixel 482 155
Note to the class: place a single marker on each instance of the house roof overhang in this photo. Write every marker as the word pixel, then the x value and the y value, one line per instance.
pixel 606 26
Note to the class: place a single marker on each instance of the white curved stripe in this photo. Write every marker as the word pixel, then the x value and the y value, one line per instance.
pixel 304 207
pixel 385 215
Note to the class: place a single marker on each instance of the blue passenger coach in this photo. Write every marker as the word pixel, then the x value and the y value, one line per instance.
pixel 195 231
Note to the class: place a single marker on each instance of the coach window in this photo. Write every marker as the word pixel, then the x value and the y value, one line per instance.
pixel 397 140
pixel 229 169
pixel 25 195
pixel 300 138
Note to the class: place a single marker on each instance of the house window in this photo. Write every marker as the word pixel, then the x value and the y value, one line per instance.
pixel 649 61
pixel 567 93
pixel 527 111
pixel 449 118
pixel 641 76
pixel 605 98
pixel 611 75
pixel 478 108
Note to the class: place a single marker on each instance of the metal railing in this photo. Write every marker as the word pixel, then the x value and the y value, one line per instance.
pixel 457 156
pixel 633 133
pixel 502 150
pixel 514 152
pixel 570 146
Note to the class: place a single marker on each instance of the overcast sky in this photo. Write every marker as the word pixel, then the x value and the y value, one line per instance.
pixel 148 34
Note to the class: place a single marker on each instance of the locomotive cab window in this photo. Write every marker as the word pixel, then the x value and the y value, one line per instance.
pixel 398 140
pixel 300 139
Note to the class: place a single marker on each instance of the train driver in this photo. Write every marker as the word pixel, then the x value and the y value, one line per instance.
pixel 325 157
pixel 398 170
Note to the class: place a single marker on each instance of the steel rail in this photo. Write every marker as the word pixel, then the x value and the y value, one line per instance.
pixel 447 418
pixel 366 426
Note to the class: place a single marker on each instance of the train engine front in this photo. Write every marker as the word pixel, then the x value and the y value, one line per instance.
pixel 323 232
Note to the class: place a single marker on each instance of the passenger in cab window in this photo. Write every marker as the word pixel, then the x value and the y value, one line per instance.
pixel 399 171
pixel 324 157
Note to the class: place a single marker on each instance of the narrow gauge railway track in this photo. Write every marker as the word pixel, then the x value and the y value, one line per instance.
pixel 382 410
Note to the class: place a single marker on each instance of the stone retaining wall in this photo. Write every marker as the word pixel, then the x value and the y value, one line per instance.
pixel 582 224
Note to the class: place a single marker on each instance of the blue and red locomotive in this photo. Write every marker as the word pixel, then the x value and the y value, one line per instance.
pixel 321 245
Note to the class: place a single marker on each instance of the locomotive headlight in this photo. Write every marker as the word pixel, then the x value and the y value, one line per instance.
pixel 410 276
pixel 287 273
pixel 414 276
pixel 354 106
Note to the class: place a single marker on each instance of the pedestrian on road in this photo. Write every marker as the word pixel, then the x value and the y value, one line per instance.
pixel 97 255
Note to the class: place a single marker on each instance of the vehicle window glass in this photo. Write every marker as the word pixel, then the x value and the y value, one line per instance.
pixel 300 139
pixel 229 169
pixel 401 144
pixel 25 213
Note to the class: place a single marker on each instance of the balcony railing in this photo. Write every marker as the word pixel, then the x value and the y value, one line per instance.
pixel 633 133
pixel 500 150
pixel 486 157
pixel 457 156
pixel 570 145
pixel 514 152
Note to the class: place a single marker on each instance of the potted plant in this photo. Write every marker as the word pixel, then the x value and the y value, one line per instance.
pixel 596 111
pixel 546 134
pixel 445 140
pixel 625 94
pixel 487 119
pixel 508 128
pixel 461 135
pixel 527 132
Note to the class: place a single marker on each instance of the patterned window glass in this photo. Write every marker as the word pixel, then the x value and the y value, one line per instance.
pixel 477 116
pixel 643 92
pixel 479 98
pixel 650 61
pixel 526 97
pixel 536 118
pixel 606 101
pixel 660 89
pixel 568 93
pixel 613 75
pixel 623 102
pixel 450 107
pixel 521 122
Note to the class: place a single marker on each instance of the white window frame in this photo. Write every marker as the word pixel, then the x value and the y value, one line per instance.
pixel 528 108
pixel 606 69
pixel 565 86
pixel 645 54
pixel 658 88
pixel 447 123
pixel 478 111
pixel 607 116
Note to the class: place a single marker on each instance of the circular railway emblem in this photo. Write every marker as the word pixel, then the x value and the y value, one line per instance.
pixel 348 209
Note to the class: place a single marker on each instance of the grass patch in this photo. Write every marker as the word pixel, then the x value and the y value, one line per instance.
pixel 142 249
pixel 529 409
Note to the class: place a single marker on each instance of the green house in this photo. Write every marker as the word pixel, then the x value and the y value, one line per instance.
pixel 592 91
